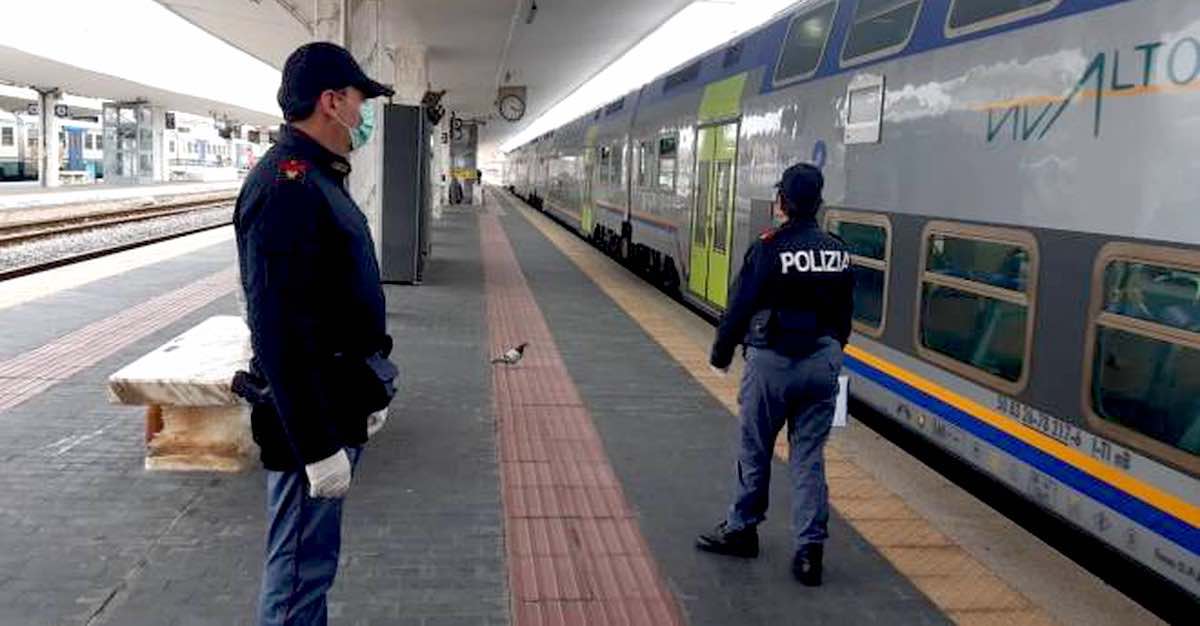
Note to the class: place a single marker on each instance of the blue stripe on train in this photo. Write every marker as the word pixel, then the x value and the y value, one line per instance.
pixel 1162 523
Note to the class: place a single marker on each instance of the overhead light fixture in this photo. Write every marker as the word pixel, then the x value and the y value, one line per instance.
pixel 529 17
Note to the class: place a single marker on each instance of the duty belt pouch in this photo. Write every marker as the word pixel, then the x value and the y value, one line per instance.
pixel 250 388
pixel 366 384
pixel 759 333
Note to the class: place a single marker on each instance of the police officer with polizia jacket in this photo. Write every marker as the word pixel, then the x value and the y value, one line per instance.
pixel 791 311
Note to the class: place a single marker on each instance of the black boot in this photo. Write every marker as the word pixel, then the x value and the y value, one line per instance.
pixel 806 565
pixel 722 540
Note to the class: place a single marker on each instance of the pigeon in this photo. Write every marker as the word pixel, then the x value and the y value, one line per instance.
pixel 512 356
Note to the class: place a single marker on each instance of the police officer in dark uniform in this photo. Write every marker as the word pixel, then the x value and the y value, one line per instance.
pixel 320 379
pixel 791 310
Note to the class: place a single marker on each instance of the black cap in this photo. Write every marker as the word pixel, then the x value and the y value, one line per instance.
pixel 315 67
pixel 801 186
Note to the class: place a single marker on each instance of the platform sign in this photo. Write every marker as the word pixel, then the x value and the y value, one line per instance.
pixel 463 173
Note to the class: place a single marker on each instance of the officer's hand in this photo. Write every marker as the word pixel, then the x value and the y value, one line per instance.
pixel 375 421
pixel 329 478
pixel 719 371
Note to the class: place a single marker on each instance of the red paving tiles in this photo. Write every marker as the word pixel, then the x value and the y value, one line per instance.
pixel 26 375
pixel 575 553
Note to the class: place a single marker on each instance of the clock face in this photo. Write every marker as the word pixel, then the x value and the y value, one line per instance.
pixel 512 107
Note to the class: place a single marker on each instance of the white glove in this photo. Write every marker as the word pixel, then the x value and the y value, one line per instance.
pixel 375 421
pixel 329 478
pixel 719 371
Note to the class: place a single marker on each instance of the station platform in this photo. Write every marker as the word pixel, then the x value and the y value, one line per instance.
pixel 567 489
pixel 29 195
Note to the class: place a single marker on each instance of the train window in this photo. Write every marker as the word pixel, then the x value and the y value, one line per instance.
pixel 880 27
pixel 605 161
pixel 616 176
pixel 869 238
pixel 1143 362
pixel 667 160
pixel 722 208
pixel 805 43
pixel 6 136
pixel 644 152
pixel 967 16
pixel 975 306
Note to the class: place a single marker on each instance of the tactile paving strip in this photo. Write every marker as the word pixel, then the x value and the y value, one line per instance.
pixel 953 580
pixel 575 553
pixel 26 375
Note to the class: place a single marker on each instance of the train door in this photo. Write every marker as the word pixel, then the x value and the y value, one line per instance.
pixel 585 210
pixel 712 213
pixel 587 218
pixel 75 149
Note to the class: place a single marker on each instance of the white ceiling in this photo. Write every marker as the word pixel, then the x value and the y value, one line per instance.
pixel 568 42
pixel 23 68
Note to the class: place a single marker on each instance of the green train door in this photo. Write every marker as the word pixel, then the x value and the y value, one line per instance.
pixel 587 218
pixel 712 213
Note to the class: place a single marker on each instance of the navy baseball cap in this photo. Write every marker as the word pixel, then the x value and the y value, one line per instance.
pixel 315 67
pixel 801 185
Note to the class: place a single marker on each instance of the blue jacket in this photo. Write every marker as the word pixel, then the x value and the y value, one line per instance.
pixel 313 299
pixel 796 286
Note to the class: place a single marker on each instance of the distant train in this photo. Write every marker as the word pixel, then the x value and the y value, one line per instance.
pixel 194 148
pixel 1016 179
pixel 197 149
pixel 80 146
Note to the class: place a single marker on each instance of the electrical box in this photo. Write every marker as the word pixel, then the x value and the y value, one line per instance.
pixel 405 230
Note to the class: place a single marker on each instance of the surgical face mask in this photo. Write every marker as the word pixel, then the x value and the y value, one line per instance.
pixel 359 135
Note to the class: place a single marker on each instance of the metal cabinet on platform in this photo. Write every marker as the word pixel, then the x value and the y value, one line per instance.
pixel 405 229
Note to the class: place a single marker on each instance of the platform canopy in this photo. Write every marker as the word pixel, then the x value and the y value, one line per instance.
pixel 472 46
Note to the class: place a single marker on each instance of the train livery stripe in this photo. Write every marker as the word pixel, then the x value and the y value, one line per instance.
pixel 562 209
pixel 1161 512
pixel 639 217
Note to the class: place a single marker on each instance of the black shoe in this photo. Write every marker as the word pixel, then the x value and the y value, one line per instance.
pixel 806 565
pixel 722 540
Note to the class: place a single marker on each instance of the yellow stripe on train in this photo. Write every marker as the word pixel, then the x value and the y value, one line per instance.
pixel 1181 509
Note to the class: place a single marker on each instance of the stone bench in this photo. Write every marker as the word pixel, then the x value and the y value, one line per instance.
pixel 193 419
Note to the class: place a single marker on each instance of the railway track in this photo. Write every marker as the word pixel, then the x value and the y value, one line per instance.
pixel 38 230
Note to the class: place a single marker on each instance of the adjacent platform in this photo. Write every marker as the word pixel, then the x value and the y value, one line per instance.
pixel 27 196
pixel 565 490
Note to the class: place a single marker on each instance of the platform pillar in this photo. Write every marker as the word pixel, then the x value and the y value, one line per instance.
pixel 329 22
pixel 464 158
pixel 440 167
pixel 49 149
pixel 365 40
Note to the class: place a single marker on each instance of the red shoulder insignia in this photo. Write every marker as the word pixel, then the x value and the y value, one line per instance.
pixel 768 234
pixel 292 169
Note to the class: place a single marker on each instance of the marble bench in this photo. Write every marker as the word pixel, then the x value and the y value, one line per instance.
pixel 193 419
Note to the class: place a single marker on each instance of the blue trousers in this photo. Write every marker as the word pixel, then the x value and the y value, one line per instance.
pixel 801 393
pixel 304 537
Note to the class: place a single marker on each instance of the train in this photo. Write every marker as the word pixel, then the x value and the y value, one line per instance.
pixel 81 146
pixel 1014 178
pixel 198 148
pixel 195 148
